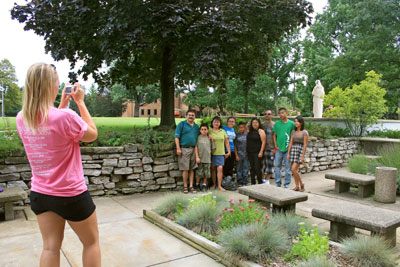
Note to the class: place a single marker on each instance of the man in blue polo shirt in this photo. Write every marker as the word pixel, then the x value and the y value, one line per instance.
pixel 186 134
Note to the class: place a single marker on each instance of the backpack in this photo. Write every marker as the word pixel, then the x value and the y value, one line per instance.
pixel 228 183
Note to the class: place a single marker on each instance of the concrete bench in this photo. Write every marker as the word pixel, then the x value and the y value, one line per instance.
pixel 344 216
pixel 281 199
pixel 8 196
pixel 343 179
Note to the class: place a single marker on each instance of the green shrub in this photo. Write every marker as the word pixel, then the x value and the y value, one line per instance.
pixel 242 212
pixel 339 132
pixel 10 142
pixel 255 241
pixel 359 164
pixel 318 130
pixel 310 243
pixel 369 251
pixel 289 222
pixel 390 158
pixel 201 218
pixel 316 262
pixel 172 203
pixel 395 134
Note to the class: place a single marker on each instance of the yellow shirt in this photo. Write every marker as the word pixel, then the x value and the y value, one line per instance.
pixel 219 140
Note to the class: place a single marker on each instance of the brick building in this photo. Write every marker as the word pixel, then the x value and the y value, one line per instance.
pixel 154 109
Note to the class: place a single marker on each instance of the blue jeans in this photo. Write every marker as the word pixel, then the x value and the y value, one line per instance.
pixel 279 156
pixel 242 169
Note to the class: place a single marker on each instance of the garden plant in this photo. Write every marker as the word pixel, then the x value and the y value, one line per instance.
pixel 246 230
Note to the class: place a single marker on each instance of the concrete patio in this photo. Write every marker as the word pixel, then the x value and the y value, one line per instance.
pixel 129 240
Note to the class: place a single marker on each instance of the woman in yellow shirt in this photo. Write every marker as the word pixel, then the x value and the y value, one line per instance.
pixel 218 157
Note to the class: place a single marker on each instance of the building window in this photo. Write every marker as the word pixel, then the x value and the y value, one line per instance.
pixel 142 111
pixel 155 112
pixel 155 101
pixel 149 112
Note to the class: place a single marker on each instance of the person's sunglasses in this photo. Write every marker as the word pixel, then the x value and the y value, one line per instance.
pixel 268 113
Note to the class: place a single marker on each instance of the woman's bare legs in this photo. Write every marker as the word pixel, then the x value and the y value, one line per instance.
pixel 220 170
pixel 88 233
pixel 52 229
pixel 297 178
pixel 214 176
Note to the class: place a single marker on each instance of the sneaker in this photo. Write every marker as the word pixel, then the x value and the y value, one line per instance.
pixel 203 187
pixel 265 181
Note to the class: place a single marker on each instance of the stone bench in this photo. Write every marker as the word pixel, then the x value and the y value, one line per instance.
pixel 343 179
pixel 282 200
pixel 344 216
pixel 8 196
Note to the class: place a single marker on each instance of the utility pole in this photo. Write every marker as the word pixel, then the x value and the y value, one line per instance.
pixel 2 89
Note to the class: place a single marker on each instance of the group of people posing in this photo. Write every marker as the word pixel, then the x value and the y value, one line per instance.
pixel 215 153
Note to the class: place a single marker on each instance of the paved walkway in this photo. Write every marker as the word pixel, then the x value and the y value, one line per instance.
pixel 129 240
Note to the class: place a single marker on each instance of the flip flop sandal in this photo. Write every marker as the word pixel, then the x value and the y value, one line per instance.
pixel 185 190
pixel 192 190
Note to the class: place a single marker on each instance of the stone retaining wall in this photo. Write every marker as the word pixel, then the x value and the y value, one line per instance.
pixel 328 154
pixel 126 170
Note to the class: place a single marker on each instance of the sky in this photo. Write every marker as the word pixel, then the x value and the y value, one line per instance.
pixel 24 48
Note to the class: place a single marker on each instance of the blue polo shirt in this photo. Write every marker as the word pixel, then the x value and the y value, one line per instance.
pixel 187 134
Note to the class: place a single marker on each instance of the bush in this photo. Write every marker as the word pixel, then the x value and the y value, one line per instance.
pixel 289 222
pixel 359 164
pixel 255 241
pixel 339 132
pixel 10 142
pixel 385 133
pixel 316 262
pixel 369 251
pixel 360 106
pixel 317 130
pixel 201 218
pixel 242 213
pixel 171 204
pixel 390 158
pixel 310 243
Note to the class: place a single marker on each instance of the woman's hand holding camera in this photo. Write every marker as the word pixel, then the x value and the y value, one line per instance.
pixel 75 92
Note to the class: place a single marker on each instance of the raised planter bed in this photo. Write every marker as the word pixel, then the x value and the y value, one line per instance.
pixel 201 243
pixel 204 245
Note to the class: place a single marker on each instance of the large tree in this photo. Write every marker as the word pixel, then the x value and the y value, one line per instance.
pixel 12 94
pixel 352 37
pixel 171 40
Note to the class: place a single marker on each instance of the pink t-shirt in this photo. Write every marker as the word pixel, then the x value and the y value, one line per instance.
pixel 54 153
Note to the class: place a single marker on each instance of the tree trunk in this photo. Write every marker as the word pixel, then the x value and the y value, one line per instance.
pixel 167 88
pixel 276 104
pixel 399 112
pixel 138 99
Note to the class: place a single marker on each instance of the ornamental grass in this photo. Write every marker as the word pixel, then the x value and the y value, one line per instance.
pixel 256 241
pixel 369 251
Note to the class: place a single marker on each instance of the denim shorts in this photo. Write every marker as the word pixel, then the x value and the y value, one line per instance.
pixel 77 208
pixel 218 160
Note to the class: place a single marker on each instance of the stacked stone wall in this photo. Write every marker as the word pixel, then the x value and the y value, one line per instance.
pixel 328 154
pixel 127 170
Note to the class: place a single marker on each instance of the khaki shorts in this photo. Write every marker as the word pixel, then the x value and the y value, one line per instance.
pixel 187 161
pixel 203 171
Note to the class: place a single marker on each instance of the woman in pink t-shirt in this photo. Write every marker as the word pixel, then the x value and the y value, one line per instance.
pixel 51 140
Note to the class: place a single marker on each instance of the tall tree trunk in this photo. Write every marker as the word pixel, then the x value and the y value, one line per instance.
pixel 167 88
pixel 276 103
pixel 138 100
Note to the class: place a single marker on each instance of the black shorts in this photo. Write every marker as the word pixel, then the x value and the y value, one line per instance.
pixel 77 208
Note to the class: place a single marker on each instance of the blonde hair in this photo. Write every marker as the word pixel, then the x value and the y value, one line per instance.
pixel 38 95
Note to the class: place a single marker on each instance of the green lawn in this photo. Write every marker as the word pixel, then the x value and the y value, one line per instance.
pixel 108 123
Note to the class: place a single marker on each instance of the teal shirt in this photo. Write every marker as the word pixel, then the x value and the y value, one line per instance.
pixel 187 134
pixel 283 131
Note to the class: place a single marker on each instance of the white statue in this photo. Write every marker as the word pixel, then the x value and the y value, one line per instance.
pixel 318 94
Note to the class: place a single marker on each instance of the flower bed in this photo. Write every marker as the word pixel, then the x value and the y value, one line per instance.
pixel 243 233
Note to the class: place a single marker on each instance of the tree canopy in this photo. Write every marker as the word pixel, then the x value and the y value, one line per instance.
pixel 12 95
pixel 352 37
pixel 170 42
